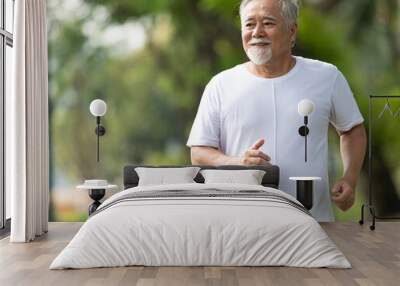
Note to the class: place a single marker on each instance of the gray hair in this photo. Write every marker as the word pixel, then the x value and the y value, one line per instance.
pixel 289 10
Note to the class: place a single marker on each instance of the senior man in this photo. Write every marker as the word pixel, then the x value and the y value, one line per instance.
pixel 248 114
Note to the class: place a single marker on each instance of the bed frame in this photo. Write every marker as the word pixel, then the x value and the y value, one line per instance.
pixel 270 179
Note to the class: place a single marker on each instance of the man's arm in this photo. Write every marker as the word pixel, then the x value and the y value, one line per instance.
pixel 204 155
pixel 352 148
pixel 353 144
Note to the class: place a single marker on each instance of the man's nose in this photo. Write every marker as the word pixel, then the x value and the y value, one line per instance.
pixel 258 31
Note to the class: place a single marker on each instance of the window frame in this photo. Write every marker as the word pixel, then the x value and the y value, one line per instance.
pixel 6 39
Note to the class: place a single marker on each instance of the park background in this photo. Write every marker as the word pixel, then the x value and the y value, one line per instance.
pixel 150 61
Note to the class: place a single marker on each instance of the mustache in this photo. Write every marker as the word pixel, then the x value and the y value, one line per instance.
pixel 259 41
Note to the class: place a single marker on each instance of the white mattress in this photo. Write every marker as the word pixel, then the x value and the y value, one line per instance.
pixel 200 231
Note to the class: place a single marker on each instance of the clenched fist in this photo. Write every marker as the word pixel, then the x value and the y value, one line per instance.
pixel 343 194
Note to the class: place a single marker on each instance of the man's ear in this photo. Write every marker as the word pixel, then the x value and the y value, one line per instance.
pixel 293 33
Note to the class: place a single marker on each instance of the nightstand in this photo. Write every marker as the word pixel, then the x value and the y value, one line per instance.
pixel 304 190
pixel 97 190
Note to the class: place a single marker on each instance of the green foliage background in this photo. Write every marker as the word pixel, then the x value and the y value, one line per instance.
pixel 153 92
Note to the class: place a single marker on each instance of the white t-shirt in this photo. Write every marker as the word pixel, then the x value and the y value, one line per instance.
pixel 238 108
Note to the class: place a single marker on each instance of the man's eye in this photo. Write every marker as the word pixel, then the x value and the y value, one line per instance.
pixel 268 23
pixel 249 25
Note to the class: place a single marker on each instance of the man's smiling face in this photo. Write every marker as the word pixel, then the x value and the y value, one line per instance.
pixel 266 36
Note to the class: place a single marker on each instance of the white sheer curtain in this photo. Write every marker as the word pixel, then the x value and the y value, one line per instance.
pixel 27 147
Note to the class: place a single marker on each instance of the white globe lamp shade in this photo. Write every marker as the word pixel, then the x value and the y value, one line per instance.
pixel 98 107
pixel 305 107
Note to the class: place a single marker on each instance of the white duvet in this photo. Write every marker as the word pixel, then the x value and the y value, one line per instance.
pixel 200 231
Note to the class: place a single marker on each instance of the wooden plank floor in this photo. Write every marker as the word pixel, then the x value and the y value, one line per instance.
pixel 374 255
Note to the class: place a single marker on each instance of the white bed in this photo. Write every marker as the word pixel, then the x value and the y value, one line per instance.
pixel 183 230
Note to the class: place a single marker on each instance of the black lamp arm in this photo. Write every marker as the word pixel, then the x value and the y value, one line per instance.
pixel 100 131
pixel 303 131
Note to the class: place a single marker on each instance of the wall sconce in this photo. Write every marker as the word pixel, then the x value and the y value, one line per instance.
pixel 98 108
pixel 304 108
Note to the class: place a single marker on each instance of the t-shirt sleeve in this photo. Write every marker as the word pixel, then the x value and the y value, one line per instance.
pixel 345 113
pixel 206 126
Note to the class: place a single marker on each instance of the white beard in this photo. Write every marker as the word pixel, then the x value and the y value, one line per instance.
pixel 258 55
